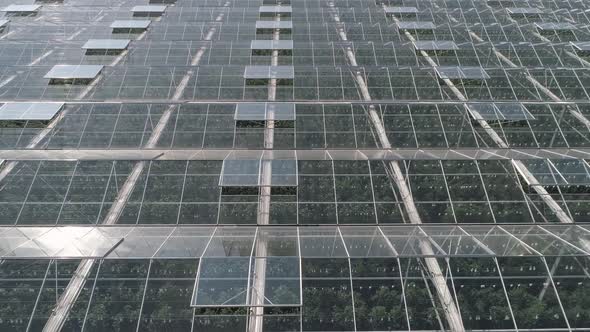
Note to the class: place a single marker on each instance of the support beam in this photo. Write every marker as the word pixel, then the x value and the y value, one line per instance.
pixel 451 311
pixel 256 319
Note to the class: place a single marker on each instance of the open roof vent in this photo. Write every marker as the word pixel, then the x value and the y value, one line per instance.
pixel 73 74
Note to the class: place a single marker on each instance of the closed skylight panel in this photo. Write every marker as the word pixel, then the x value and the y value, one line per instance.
pixel 454 73
pixel 435 45
pixel 274 25
pixel 269 72
pixel 581 46
pixel 74 72
pixel 29 111
pixel 21 8
pixel 499 112
pixel 574 172
pixel 131 24
pixel 247 173
pixel 275 9
pixel 401 10
pixel 106 44
pixel 271 45
pixel 553 26
pixel 416 25
pixel 264 111
pixel 524 11
pixel 150 10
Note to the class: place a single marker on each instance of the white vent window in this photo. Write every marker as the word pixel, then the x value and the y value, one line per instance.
pixel 248 173
pixel 73 73
pixel 271 45
pixel 269 72
pixel 563 26
pixel 499 112
pixel 22 10
pixel 458 73
pixel 105 46
pixel 29 111
pixel 263 25
pixel 435 45
pixel 519 11
pixel 275 10
pixel 152 10
pixel 416 25
pixel 131 24
pixel 401 10
pixel 264 111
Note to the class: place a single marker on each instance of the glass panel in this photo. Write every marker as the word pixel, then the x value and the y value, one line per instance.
pixel 545 243
pixel 222 282
pixel 480 294
pixel 327 295
pixel 281 282
pixel 367 242
pixel 321 242
pixel 378 295
pixel 498 241
pixel 20 285
pixel 424 309
pixel 571 282
pixel 117 296
pixel 531 293
pixel 168 295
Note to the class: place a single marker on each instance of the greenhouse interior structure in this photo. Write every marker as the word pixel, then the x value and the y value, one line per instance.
pixel 294 165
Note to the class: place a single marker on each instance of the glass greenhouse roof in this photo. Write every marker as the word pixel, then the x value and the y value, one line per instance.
pixel 274 166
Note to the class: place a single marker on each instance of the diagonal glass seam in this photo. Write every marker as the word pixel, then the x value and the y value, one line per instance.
pixel 389 244
pixel 519 241
pixel 562 240
pixel 475 239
